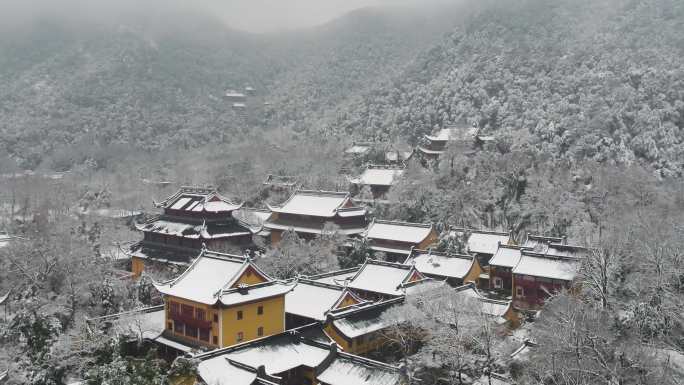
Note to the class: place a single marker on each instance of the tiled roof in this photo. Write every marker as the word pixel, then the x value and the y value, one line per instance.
pixel 486 242
pixel 379 176
pixel 313 203
pixel 198 200
pixel 383 277
pixel 399 231
pixel 506 256
pixel 441 264
pixel 544 266
pixel 335 277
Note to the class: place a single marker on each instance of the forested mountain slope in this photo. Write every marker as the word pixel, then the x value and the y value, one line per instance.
pixel 578 79
pixel 71 92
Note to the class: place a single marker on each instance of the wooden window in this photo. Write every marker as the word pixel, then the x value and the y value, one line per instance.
pixel 498 283
pixel 520 292
pixel 260 310
pixel 215 318
pixel 215 340
pixel 187 310
pixel 260 331
pixel 190 331
pixel 200 314
pixel 240 337
pixel 204 334
pixel 178 327
pixel 174 307
pixel 239 314
pixel 169 325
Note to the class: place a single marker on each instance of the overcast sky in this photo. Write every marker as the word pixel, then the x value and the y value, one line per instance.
pixel 249 15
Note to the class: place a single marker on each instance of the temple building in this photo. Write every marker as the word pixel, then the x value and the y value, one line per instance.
pixel 360 330
pixel 378 279
pixel 310 301
pixel 308 212
pixel 456 269
pixel 536 277
pixel 338 277
pixel 359 149
pixel 300 356
pixel 222 300
pixel 500 312
pixel 378 178
pixel 437 143
pixel 396 239
pixel 501 267
pixel 192 218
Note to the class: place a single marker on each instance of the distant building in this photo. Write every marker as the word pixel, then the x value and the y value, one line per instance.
pixel 501 312
pixel 307 213
pixel 281 182
pixel 437 143
pixel 193 217
pixel 501 267
pixel 456 269
pixel 235 96
pixel 379 178
pixel 396 239
pixel 339 277
pixel 222 300
pixel 311 301
pixel 250 91
pixel 359 149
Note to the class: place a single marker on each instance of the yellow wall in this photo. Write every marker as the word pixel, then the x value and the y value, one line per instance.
pixel 137 266
pixel 249 277
pixel 366 344
pixel 276 236
pixel 474 273
pixel 432 238
pixel 209 311
pixel 273 320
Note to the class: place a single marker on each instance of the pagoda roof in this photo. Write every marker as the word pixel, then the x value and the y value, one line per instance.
pixel 210 278
pixel 384 277
pixel 326 204
pixel 197 200
pixel 379 175
pixel 398 231
pixel 441 264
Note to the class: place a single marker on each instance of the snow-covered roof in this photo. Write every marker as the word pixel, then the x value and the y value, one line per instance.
pixel 280 354
pixel 379 176
pixel 453 133
pixel 257 292
pixel 359 148
pixel 399 231
pixel 544 266
pixel 346 370
pixel 427 151
pixel 354 323
pixel 206 278
pixel 533 240
pixel 147 323
pixel 384 277
pixel 506 256
pixel 486 242
pixel 197 200
pixel 312 299
pixel 192 229
pixel 569 251
pixel 221 371
pixel 239 105
pixel 314 203
pixel 335 277
pixel 491 307
pixel 441 264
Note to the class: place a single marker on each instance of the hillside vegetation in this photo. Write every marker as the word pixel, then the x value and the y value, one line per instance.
pixel 600 80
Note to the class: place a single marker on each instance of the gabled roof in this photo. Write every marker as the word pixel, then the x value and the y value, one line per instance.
pixel 441 264
pixel 545 266
pixel 353 370
pixel 198 200
pixel 324 204
pixel 532 240
pixel 506 256
pixel 384 277
pixel 486 242
pixel 379 175
pixel 338 277
pixel 205 280
pixel 311 299
pixel 398 231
